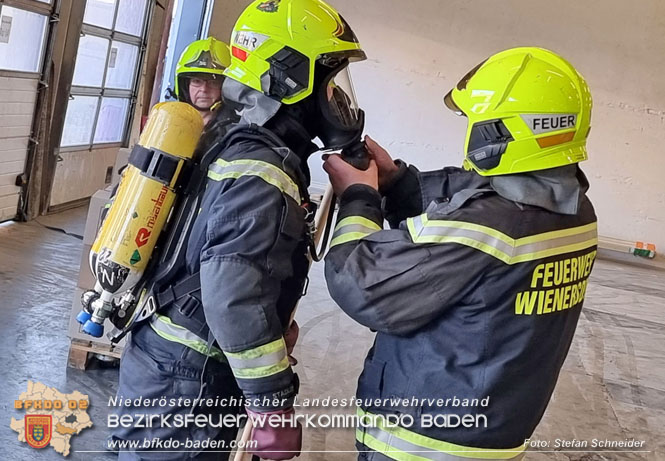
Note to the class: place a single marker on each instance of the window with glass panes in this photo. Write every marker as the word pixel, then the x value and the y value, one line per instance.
pixel 22 38
pixel 105 74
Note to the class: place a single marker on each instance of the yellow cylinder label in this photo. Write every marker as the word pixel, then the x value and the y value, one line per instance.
pixel 132 226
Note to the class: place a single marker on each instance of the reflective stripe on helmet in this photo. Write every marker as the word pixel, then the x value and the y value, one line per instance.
pixel 353 228
pixel 498 244
pixel 259 362
pixel 404 445
pixel 221 170
pixel 164 327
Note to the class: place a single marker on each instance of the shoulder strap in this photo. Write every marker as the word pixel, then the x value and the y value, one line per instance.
pixel 456 202
pixel 184 287
pixel 255 133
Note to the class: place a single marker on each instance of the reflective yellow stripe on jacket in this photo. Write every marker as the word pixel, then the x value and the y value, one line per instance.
pixel 353 228
pixel 221 170
pixel 404 445
pixel 170 331
pixel 259 362
pixel 498 244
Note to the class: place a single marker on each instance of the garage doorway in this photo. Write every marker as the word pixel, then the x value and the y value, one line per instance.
pixel 24 29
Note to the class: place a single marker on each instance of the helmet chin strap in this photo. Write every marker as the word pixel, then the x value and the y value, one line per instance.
pixel 214 106
pixel 289 125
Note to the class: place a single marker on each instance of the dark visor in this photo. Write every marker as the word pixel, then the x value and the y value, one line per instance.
pixel 450 104
pixel 461 85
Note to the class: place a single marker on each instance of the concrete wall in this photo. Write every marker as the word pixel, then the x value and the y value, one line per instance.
pixel 417 51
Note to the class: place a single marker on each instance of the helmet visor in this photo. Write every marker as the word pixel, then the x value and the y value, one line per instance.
pixel 340 97
pixel 450 104
pixel 461 85
pixel 206 60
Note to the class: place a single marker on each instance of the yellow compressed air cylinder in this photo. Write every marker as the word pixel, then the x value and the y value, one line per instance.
pixel 144 199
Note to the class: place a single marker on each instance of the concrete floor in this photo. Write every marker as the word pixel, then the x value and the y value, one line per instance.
pixel 612 385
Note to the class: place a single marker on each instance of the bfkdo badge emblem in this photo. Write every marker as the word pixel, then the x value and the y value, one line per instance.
pixel 38 430
pixel 271 6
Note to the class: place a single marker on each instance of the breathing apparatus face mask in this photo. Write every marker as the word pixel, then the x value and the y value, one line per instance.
pixel 341 120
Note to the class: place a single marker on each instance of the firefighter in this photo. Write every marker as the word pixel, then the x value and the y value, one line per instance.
pixel 476 290
pixel 199 78
pixel 199 75
pixel 221 325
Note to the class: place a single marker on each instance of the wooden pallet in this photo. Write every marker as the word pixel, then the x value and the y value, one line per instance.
pixel 80 353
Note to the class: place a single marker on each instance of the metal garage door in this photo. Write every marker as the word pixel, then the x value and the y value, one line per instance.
pixel 22 36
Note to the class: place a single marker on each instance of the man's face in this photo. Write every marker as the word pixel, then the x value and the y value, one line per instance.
pixel 204 92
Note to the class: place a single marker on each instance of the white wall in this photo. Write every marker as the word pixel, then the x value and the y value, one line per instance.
pixel 418 50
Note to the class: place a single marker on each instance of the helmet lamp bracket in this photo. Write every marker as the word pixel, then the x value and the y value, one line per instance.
pixel 487 143
pixel 289 73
